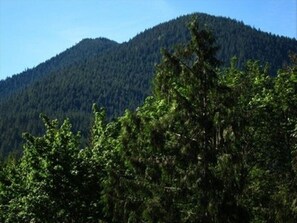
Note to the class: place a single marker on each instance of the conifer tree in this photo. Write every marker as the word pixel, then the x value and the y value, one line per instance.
pixel 179 148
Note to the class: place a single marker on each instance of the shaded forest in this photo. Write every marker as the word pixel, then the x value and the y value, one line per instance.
pixel 211 144
pixel 118 76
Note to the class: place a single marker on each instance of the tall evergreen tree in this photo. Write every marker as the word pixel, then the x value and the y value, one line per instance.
pixel 177 147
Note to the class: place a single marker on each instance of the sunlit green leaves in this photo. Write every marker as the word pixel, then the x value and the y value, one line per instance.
pixel 210 145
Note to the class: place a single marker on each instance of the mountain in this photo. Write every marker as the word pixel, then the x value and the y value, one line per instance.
pixel 117 76
pixel 82 51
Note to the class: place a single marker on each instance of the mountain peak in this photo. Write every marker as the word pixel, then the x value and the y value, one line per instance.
pixel 117 76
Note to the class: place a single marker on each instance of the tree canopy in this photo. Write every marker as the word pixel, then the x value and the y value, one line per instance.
pixel 118 76
pixel 210 144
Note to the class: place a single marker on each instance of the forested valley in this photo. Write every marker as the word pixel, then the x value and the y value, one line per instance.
pixel 211 143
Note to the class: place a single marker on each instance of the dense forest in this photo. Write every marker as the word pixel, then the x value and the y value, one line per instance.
pixel 211 144
pixel 118 76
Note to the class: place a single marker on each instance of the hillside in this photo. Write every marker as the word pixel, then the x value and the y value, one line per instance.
pixel 117 76
pixel 84 50
pixel 208 145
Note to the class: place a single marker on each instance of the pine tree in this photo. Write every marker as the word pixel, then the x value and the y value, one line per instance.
pixel 180 155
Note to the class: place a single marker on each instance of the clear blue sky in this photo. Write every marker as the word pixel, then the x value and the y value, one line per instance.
pixel 32 31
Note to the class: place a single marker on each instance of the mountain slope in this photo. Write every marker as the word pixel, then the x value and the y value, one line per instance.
pixel 117 76
pixel 84 50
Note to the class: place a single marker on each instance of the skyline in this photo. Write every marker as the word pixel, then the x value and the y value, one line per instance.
pixel 33 31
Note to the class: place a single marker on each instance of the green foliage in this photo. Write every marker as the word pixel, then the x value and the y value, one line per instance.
pixel 210 145
pixel 117 76
pixel 54 180
pixel 179 155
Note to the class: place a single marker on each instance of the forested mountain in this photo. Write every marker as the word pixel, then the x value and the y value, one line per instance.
pixel 84 50
pixel 211 144
pixel 118 76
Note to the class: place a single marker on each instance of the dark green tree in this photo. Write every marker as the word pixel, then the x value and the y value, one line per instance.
pixel 180 155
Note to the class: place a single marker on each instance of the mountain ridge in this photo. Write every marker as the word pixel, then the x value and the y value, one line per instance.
pixel 119 77
pixel 23 79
